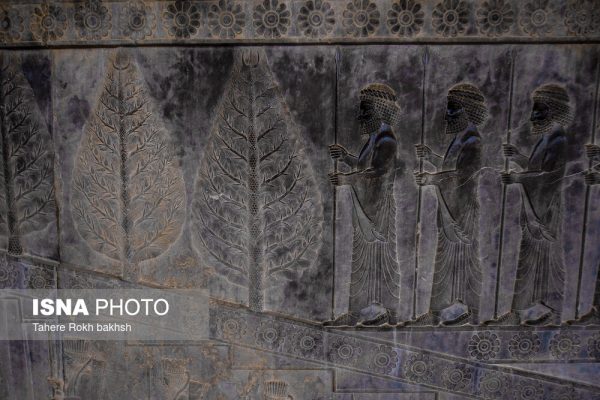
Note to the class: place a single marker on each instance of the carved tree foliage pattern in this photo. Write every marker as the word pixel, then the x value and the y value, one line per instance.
pixel 26 189
pixel 128 193
pixel 257 212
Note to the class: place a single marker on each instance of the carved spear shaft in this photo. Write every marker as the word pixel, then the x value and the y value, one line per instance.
pixel 335 170
pixel 506 169
pixel 425 61
pixel 586 204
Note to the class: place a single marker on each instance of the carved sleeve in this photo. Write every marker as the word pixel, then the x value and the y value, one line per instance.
pixel 385 153
pixel 553 163
pixel 470 155
pixel 555 157
pixel 467 164
pixel 383 159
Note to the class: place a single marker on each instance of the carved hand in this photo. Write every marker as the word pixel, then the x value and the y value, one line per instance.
pixel 423 178
pixel 336 151
pixel 509 150
pixel 338 179
pixel 592 178
pixel 508 178
pixel 423 151
pixel 592 151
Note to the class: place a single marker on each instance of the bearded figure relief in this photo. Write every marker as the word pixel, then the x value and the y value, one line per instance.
pixel 539 285
pixel 375 276
pixel 456 285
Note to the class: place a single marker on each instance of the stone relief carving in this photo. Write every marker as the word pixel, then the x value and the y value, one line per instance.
pixel 276 390
pixel 257 212
pixel 316 18
pixel 289 20
pixel 48 22
pixel 457 273
pixel 182 18
pixel 375 277
pixel 85 370
pixel 591 178
pixel 128 198
pixel 539 284
pixel 226 19
pixel 27 201
pixel 469 374
pixel 93 20
pixel 9 273
pixel 232 218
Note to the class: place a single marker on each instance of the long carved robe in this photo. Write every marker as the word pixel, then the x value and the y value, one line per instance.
pixel 375 274
pixel 457 273
pixel 540 272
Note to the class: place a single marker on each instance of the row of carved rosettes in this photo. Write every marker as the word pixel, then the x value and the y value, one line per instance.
pixel 96 22
pixel 392 360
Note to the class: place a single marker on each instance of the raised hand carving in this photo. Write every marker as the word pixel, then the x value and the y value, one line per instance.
pixel 257 212
pixel 27 192
pixel 128 194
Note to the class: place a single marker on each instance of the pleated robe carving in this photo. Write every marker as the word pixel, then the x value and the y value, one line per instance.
pixel 540 272
pixel 457 273
pixel 375 276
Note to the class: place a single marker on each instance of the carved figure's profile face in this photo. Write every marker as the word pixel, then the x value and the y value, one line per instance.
pixel 456 118
pixel 454 110
pixel 540 112
pixel 541 118
pixel 367 117
pixel 365 111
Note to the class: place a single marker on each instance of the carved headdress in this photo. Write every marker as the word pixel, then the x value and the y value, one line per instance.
pixel 382 99
pixel 472 100
pixel 557 100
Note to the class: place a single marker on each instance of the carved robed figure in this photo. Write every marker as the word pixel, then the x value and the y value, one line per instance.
pixel 375 277
pixel 539 284
pixel 592 177
pixel 456 285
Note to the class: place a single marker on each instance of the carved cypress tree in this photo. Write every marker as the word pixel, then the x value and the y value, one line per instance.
pixel 257 212
pixel 27 193
pixel 128 194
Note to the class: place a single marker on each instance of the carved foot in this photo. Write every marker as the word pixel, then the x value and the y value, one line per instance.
pixel 456 314
pixel 550 319
pixel 591 318
pixel 347 319
pixel 536 315
pixel 428 319
pixel 508 319
pixel 374 315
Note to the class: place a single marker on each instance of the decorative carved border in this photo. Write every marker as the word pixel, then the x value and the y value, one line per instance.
pixel 341 350
pixel 565 344
pixel 502 345
pixel 97 22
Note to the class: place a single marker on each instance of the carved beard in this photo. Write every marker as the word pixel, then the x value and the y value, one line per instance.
pixel 369 126
pixel 541 127
pixel 457 125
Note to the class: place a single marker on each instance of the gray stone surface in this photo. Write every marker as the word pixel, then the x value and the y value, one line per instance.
pixel 199 157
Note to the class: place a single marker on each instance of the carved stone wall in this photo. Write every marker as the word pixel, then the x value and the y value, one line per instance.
pixel 385 199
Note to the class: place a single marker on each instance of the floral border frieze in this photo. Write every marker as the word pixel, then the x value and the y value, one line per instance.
pixel 341 349
pixel 96 22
